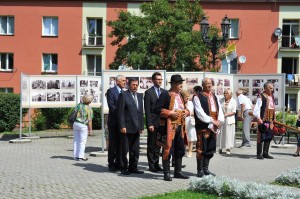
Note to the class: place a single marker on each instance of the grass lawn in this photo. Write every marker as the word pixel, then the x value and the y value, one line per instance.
pixel 182 194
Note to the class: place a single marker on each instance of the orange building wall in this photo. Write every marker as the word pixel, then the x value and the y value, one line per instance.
pixel 256 41
pixel 27 44
pixel 112 14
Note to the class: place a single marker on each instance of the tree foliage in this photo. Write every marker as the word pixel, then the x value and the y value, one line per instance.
pixel 165 36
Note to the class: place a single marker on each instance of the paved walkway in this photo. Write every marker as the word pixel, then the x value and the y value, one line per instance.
pixel 45 168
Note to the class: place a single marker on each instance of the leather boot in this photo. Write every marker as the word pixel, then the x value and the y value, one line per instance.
pixel 266 151
pixel 166 168
pixel 205 167
pixel 259 151
pixel 200 172
pixel 177 169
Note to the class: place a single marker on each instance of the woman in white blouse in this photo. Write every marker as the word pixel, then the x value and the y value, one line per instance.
pixel 227 135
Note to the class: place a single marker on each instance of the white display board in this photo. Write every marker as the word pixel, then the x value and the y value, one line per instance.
pixel 54 91
pixel 221 82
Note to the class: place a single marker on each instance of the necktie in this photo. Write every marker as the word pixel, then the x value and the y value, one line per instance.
pixel 135 99
pixel 158 92
pixel 121 91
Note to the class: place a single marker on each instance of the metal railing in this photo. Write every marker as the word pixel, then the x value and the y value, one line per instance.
pixel 89 40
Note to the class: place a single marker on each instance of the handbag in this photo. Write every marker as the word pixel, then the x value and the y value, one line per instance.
pixel 192 121
pixel 72 116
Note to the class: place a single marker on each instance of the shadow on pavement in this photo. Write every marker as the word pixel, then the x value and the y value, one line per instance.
pixel 242 156
pixel 62 157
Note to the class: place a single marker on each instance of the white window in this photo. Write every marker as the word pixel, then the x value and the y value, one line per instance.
pixel 50 26
pixel 95 34
pixel 234 29
pixel 6 90
pixel 7 25
pixel 94 65
pixel 49 62
pixel 229 66
pixel 290 29
pixel 6 61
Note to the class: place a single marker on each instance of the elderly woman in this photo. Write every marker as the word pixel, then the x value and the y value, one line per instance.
pixel 82 126
pixel 226 137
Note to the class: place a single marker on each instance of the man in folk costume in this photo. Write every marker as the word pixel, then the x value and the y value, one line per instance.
pixel 208 117
pixel 264 111
pixel 172 110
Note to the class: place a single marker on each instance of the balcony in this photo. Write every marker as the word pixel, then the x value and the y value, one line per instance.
pixel 292 80
pixel 288 43
pixel 93 42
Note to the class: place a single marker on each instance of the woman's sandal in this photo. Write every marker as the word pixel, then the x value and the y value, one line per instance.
pixel 84 159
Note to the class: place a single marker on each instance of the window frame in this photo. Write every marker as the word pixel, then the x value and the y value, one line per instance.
pixel 50 63
pixel 95 35
pixel 8 25
pixel 95 72
pixel 231 29
pixel 52 34
pixel 6 90
pixel 7 63
pixel 291 37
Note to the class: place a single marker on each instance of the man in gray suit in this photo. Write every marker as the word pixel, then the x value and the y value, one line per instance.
pixel 131 124
pixel 152 122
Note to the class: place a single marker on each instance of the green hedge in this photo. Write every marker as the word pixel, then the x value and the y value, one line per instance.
pixel 10 111
pixel 290 119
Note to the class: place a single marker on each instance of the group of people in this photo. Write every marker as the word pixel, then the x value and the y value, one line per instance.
pixel 174 119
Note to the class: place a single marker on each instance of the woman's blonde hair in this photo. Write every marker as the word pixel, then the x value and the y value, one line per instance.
pixel 185 93
pixel 87 99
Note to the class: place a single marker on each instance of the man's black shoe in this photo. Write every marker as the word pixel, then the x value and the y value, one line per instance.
pixel 152 169
pixel 260 157
pixel 113 168
pixel 125 172
pixel 135 171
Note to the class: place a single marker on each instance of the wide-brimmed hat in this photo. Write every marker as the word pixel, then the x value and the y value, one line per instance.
pixel 176 78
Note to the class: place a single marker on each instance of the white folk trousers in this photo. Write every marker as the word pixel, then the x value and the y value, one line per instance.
pixel 80 137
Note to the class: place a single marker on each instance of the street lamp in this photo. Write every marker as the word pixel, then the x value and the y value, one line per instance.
pixel 215 43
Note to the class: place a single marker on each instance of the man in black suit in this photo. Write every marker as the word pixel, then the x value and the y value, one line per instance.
pixel 152 122
pixel 131 124
pixel 114 155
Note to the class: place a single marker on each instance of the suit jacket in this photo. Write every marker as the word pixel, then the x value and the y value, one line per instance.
pixel 129 116
pixel 112 98
pixel 150 98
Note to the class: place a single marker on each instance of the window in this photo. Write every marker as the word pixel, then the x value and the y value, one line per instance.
pixel 7 25
pixel 289 67
pixel 50 26
pixel 234 29
pixel 6 61
pixel 6 90
pixel 94 65
pixel 49 62
pixel 94 32
pixel 290 29
pixel 233 66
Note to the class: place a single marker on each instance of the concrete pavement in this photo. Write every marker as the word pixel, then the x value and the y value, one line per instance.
pixel 45 168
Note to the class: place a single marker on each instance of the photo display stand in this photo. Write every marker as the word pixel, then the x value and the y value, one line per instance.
pixel 56 91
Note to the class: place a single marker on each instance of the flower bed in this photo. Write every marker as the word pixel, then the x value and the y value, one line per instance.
pixel 232 188
pixel 290 178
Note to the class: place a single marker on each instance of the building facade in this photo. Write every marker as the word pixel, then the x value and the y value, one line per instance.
pixel 69 37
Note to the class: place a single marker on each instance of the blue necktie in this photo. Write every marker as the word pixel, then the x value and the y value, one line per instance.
pixel 158 92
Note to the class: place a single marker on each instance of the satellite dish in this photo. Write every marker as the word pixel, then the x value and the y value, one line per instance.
pixel 278 32
pixel 242 59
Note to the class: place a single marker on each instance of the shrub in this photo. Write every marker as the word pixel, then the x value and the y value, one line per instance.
pixel 290 178
pixel 39 121
pixel 50 118
pixel 10 111
pixel 290 119
pixel 97 120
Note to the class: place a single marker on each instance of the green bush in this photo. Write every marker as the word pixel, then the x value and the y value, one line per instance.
pixel 10 111
pixel 39 121
pixel 290 119
pixel 97 120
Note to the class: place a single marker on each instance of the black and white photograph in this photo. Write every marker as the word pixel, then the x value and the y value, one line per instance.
pixel 84 91
pixel 67 96
pixel 67 84
pixel 94 84
pixel 220 91
pixel 96 99
pixel 112 82
pixel 220 82
pixel 146 82
pixel 256 91
pixel 275 82
pixel 39 97
pixel 38 84
pixel 226 82
pixel 53 97
pixel 53 84
pixel 94 92
pixel 84 83
pixel 243 83
pixel 257 83
pixel 191 82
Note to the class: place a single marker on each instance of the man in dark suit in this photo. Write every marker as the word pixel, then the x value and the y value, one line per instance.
pixel 114 155
pixel 131 124
pixel 152 122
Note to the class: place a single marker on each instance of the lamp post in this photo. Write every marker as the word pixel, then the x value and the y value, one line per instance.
pixel 215 43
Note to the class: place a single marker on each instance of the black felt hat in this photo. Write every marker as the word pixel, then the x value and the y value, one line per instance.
pixel 176 78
